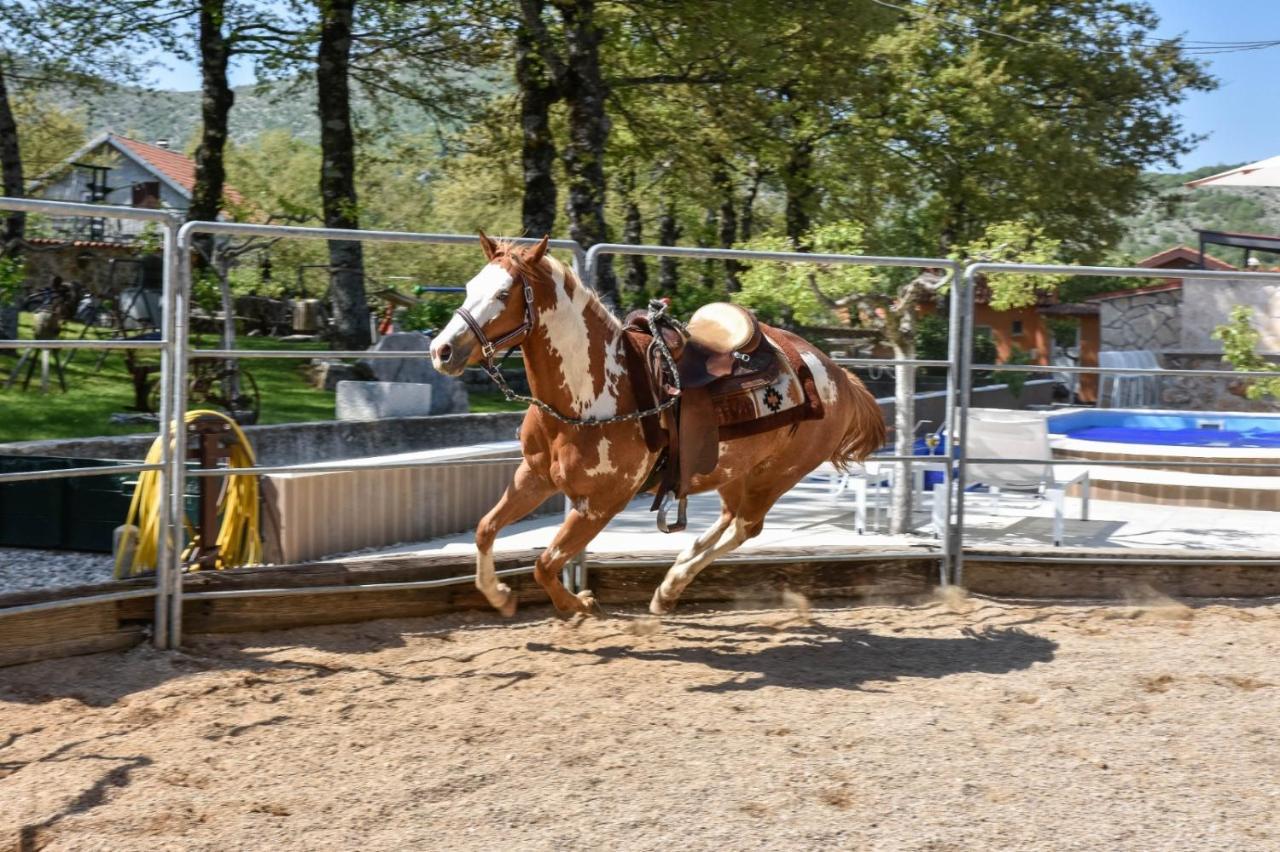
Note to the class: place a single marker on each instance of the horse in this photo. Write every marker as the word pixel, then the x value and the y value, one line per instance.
pixel 573 352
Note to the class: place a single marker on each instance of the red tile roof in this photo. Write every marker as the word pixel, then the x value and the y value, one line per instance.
pixel 177 167
pixel 1170 258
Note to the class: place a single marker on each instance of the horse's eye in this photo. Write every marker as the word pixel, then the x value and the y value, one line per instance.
pixel 503 294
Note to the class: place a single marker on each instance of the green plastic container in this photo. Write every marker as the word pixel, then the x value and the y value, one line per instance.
pixel 68 514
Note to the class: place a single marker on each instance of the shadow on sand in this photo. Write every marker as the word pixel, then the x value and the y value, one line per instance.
pixel 819 657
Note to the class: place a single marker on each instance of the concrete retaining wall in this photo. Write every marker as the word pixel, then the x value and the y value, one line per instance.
pixel 329 440
pixel 300 443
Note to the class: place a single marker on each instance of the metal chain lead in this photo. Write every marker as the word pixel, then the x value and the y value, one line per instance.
pixel 657 311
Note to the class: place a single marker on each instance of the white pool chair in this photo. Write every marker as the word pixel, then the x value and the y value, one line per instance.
pixel 1003 434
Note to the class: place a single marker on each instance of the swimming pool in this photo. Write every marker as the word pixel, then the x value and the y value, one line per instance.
pixel 1208 429
pixel 1223 444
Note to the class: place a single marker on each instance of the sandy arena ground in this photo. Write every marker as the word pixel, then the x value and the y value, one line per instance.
pixel 954 726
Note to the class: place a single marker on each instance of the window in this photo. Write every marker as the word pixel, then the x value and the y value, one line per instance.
pixel 147 194
pixel 1016 328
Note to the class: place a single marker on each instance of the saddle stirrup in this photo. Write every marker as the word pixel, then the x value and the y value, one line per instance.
pixel 681 514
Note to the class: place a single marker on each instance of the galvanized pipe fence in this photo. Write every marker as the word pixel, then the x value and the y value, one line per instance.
pixel 176 352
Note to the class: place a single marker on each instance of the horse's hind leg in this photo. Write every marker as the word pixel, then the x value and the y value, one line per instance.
pixel 723 536
pixel 525 493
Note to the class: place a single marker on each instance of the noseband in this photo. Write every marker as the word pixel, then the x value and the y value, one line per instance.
pixel 489 348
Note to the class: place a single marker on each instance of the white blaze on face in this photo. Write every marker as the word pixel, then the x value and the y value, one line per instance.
pixel 566 326
pixel 821 378
pixel 484 302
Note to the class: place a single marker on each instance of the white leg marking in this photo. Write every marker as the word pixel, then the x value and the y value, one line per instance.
pixel 727 535
pixel 498 594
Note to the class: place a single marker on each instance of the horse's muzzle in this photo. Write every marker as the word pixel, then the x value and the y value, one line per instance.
pixel 450 355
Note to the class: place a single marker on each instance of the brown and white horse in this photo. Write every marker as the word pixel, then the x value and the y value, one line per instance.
pixel 575 362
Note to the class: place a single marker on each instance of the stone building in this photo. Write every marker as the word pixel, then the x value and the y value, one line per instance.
pixel 1175 320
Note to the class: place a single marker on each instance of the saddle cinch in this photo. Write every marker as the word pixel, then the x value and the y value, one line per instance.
pixel 737 377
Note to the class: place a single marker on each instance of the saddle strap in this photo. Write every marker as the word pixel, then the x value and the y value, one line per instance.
pixel 636 345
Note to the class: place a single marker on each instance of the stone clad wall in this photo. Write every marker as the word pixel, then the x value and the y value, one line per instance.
pixel 1207 305
pixel 1143 321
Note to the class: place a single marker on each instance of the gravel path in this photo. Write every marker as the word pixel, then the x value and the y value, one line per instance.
pixel 969 725
pixel 22 569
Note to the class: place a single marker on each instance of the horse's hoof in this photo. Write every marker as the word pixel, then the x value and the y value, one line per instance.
pixel 660 605
pixel 589 604
pixel 507 607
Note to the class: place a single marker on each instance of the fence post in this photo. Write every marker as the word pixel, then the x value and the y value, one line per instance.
pixel 178 389
pixel 167 542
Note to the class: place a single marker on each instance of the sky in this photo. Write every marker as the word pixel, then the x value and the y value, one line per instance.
pixel 1239 117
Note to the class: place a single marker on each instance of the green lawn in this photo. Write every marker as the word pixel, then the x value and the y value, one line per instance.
pixel 93 395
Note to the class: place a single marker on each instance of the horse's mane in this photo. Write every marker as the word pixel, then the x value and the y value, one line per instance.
pixel 548 268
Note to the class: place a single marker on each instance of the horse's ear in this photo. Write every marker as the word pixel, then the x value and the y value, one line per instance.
pixel 535 255
pixel 487 246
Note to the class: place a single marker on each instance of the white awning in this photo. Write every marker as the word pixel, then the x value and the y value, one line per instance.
pixel 1262 173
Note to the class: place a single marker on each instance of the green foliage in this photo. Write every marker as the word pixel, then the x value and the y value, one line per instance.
pixel 1240 339
pixel 431 313
pixel 1016 380
pixel 933 334
pixel 1016 242
pixel 13 276
pixel 206 292
pixel 804 293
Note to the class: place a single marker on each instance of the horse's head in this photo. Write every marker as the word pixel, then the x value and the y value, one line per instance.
pixel 497 312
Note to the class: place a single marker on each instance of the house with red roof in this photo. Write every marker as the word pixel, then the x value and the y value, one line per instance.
pixel 101 254
pixel 117 170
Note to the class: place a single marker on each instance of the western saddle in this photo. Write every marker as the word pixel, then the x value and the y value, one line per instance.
pixel 724 357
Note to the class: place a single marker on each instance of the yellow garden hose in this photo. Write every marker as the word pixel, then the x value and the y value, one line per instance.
pixel 239 536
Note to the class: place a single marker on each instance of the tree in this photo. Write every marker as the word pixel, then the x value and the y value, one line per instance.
pixel 1240 338
pixel 338 172
pixel 888 302
pixel 554 63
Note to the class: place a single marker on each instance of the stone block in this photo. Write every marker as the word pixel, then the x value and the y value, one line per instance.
pixel 380 400
pixel 449 395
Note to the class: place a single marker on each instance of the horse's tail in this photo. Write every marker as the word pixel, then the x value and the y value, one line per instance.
pixel 865 431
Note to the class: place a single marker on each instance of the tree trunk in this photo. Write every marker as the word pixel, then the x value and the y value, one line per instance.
pixel 15 224
pixel 668 235
pixel 636 277
pixel 216 99
pixel 904 423
pixel 707 278
pixel 538 91
pixel 215 105
pixel 747 227
pixel 338 173
pixel 728 217
pixel 585 92
pixel 797 180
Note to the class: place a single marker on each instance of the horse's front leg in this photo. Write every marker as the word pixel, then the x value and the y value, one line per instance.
pixel 525 493
pixel 580 526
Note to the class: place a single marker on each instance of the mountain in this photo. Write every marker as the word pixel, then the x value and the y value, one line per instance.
pixel 150 114
pixel 1174 212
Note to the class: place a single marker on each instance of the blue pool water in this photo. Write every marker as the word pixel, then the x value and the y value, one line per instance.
pixel 1192 429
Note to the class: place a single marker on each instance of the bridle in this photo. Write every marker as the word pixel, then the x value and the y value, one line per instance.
pixel 489 348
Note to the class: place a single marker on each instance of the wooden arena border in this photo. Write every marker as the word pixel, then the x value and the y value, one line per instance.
pixel 38 625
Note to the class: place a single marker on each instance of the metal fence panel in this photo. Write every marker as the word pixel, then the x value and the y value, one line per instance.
pixel 168 519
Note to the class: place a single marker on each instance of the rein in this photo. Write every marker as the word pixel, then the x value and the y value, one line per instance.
pixel 657 313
